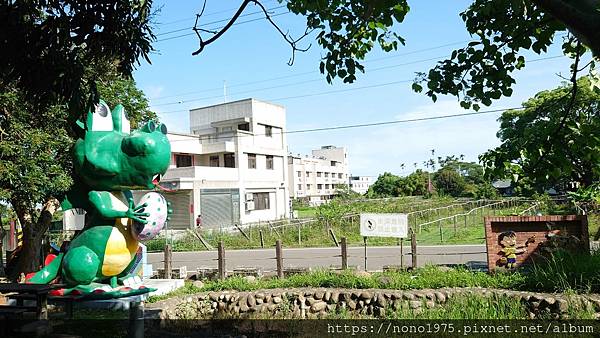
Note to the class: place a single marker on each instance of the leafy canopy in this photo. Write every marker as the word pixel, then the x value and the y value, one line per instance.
pixel 544 147
pixel 49 46
pixel 478 73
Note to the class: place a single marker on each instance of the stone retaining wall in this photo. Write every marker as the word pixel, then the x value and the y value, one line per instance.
pixel 318 302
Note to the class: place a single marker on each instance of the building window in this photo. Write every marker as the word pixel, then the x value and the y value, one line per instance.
pixel 268 131
pixel 251 161
pixel 326 174
pixel 270 162
pixel 183 160
pixel 299 173
pixel 340 175
pixel 332 175
pixel 214 161
pixel 261 201
pixel 318 174
pixel 244 126
pixel 319 186
pixel 308 187
pixel 229 160
pixel 299 186
pixel 308 174
pixel 326 186
pixel 333 163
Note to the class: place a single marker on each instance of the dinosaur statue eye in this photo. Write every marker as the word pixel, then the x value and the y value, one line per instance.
pixel 125 125
pixel 101 118
pixel 163 129
pixel 149 127
pixel 101 109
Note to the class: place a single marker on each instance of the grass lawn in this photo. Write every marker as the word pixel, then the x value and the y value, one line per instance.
pixel 306 212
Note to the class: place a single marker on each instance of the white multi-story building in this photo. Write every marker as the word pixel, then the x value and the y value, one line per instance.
pixel 361 184
pixel 231 169
pixel 315 178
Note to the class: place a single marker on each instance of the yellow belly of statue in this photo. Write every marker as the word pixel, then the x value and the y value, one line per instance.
pixel 119 250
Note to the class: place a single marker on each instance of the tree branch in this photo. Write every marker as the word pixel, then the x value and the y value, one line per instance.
pixel 286 36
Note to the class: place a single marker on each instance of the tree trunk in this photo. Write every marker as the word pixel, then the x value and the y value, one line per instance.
pixel 2 235
pixel 28 257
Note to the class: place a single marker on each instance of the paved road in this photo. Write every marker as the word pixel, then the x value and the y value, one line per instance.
pixel 377 257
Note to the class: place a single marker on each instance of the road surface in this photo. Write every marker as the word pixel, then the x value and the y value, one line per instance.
pixel 377 257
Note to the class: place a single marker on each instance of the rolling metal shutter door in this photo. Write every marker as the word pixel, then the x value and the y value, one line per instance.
pixel 180 203
pixel 216 210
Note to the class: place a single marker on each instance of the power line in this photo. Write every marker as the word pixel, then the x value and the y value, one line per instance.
pixel 306 73
pixel 204 15
pixel 331 91
pixel 218 28
pixel 292 84
pixel 217 21
pixel 373 124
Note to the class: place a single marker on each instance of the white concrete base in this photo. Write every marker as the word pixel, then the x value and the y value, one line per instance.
pixel 162 286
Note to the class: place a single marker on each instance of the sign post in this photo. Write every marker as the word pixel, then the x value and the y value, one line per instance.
pixel 384 225
pixel 365 240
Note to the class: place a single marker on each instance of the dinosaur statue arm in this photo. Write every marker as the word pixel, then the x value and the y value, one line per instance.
pixel 107 205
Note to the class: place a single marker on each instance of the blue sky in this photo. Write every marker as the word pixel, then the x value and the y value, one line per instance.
pixel 251 58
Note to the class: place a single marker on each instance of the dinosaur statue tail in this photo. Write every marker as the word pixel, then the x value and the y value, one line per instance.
pixel 48 273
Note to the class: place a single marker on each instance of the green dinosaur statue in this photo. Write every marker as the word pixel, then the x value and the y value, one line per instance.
pixel 109 160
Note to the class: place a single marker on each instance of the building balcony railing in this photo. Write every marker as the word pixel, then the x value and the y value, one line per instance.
pixel 203 173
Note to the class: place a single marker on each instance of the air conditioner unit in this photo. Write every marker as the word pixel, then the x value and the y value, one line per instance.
pixel 249 206
pixel 249 196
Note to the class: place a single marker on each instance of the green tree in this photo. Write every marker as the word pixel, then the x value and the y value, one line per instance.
pixel 542 147
pixel 387 185
pixel 449 181
pixel 415 184
pixel 53 51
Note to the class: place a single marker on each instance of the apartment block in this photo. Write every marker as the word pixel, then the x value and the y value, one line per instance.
pixel 231 167
pixel 361 184
pixel 315 178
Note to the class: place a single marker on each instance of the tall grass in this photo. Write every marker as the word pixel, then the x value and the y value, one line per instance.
pixel 564 271
pixel 467 307
pixel 428 277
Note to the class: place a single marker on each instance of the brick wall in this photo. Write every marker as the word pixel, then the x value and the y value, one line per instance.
pixel 528 226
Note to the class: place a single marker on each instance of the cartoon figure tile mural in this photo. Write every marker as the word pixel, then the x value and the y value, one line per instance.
pixel 510 249
pixel 513 241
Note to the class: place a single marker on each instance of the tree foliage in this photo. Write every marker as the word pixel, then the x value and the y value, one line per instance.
pixel 543 147
pixel 348 30
pixel 478 73
pixel 449 182
pixel 49 47
pixel 454 177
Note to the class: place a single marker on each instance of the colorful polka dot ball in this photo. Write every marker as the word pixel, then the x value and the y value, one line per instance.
pixel 156 206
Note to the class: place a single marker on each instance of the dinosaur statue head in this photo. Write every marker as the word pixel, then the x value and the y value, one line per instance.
pixel 111 157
